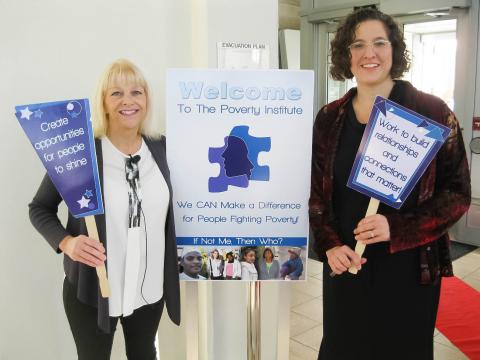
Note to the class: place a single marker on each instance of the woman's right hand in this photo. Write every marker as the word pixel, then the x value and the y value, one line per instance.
pixel 84 249
pixel 340 258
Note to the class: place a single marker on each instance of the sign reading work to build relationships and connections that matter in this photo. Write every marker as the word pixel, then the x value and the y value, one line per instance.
pixel 239 151
pixel 397 146
pixel 61 134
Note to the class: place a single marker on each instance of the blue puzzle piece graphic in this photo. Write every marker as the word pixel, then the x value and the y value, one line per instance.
pixel 222 181
pixel 255 145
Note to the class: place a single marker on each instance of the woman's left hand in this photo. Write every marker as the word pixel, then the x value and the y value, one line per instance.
pixel 372 229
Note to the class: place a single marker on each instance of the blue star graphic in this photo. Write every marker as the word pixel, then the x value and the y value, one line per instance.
pixel 88 193
pixel 38 113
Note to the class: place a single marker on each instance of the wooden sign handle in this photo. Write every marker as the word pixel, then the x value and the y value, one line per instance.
pixel 101 271
pixel 360 248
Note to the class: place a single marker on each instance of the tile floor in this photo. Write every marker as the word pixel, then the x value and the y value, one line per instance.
pixel 306 311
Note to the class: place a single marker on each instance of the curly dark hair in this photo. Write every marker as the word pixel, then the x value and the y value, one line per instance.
pixel 340 68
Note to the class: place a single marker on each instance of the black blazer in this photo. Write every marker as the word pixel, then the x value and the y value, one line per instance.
pixel 43 215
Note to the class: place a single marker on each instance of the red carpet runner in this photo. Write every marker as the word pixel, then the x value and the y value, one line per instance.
pixel 459 316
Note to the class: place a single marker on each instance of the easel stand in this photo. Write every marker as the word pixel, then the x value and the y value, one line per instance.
pixel 101 271
pixel 360 248
pixel 253 320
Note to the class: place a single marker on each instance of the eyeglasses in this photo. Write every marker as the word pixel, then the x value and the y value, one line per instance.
pixel 359 47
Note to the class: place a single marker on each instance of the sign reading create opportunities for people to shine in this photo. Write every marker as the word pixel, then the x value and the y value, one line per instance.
pixel 239 151
pixel 397 146
pixel 61 134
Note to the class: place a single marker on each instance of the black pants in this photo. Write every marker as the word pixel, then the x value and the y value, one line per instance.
pixel 139 329
pixel 383 313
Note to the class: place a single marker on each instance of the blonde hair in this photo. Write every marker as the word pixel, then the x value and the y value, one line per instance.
pixel 120 71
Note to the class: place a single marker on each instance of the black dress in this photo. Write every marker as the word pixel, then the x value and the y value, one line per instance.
pixel 383 312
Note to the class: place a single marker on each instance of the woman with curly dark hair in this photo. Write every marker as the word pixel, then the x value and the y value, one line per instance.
pixel 387 310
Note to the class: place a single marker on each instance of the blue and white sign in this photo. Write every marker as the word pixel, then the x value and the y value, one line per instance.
pixel 397 146
pixel 239 151
pixel 61 134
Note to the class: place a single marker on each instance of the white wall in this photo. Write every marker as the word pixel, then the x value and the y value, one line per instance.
pixel 56 49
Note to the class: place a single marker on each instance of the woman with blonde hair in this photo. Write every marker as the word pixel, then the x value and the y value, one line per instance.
pixel 137 197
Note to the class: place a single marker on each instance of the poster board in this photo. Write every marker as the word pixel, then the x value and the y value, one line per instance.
pixel 62 136
pixel 396 149
pixel 239 152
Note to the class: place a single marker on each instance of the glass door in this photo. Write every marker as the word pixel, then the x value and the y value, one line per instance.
pixel 432 46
